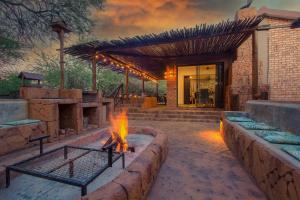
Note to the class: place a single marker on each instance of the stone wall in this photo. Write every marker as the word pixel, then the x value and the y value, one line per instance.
pixel 284 62
pixel 275 172
pixel 49 111
pixel 16 137
pixel 38 93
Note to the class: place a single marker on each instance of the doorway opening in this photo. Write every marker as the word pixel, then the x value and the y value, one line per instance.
pixel 200 86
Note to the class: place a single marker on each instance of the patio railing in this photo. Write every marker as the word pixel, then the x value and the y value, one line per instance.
pixel 117 95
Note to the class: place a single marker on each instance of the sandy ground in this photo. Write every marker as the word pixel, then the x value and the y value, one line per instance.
pixel 199 166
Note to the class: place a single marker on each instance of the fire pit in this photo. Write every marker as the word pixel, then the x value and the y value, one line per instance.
pixel 75 166
pixel 86 165
pixel 119 132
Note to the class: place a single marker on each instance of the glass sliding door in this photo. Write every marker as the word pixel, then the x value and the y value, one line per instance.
pixel 200 86
pixel 205 82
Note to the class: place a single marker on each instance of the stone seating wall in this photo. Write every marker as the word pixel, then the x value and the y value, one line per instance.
pixel 15 137
pixel 275 172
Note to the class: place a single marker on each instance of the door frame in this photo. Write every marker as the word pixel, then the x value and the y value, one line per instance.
pixel 222 63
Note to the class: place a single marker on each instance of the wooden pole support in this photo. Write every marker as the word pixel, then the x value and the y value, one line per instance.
pixel 94 65
pixel 143 87
pixel 126 82
pixel 156 89
pixel 61 62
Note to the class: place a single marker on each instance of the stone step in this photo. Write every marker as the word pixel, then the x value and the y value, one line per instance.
pixel 174 119
pixel 177 112
pixel 167 115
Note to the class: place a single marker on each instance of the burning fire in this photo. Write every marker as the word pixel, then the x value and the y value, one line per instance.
pixel 119 131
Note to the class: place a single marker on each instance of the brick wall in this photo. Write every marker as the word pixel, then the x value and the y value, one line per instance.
pixel 242 66
pixel 284 62
pixel 242 73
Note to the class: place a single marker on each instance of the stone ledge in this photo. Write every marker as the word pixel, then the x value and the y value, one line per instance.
pixel 275 172
pixel 284 115
pixel 136 180
pixel 16 137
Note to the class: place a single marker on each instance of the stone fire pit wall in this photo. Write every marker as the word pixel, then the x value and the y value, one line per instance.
pixel 274 171
pixel 136 180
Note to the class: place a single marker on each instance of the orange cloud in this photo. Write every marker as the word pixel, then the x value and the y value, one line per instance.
pixel 133 17
pixel 122 18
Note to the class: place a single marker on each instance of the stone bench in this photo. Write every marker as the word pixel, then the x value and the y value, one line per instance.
pixel 276 172
pixel 15 135
pixel 15 127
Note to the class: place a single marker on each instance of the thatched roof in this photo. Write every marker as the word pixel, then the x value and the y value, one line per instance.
pixel 152 52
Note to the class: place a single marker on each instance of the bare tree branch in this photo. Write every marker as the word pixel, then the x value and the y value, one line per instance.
pixel 26 21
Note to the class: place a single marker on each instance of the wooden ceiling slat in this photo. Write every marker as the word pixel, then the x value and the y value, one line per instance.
pixel 153 51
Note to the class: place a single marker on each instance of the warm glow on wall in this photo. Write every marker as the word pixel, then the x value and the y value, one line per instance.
pixel 221 127
pixel 170 73
pixel 213 137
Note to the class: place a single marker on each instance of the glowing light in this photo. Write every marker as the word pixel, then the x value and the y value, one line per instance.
pixel 212 136
pixel 221 127
pixel 170 73
pixel 119 127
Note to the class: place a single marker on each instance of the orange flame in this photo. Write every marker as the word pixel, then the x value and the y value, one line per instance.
pixel 119 130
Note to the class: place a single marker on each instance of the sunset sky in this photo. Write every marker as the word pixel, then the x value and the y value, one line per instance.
pixel 125 18
pixel 121 18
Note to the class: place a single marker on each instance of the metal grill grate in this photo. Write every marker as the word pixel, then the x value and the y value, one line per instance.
pixel 71 165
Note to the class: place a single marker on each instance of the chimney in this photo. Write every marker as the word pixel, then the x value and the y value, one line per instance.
pixel 246 13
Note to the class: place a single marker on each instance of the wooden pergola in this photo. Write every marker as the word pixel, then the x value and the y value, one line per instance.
pixel 147 56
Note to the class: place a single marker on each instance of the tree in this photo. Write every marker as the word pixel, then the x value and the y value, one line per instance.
pixel 78 73
pixel 25 21
pixel 9 86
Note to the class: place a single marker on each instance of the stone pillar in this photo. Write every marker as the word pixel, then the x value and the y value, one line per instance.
pixel 61 56
pixel 172 93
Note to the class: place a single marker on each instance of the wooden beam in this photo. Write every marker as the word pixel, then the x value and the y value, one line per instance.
pixel 94 75
pixel 195 60
pixel 61 62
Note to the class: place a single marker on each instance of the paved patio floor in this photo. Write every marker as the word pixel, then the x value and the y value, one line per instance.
pixel 199 166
